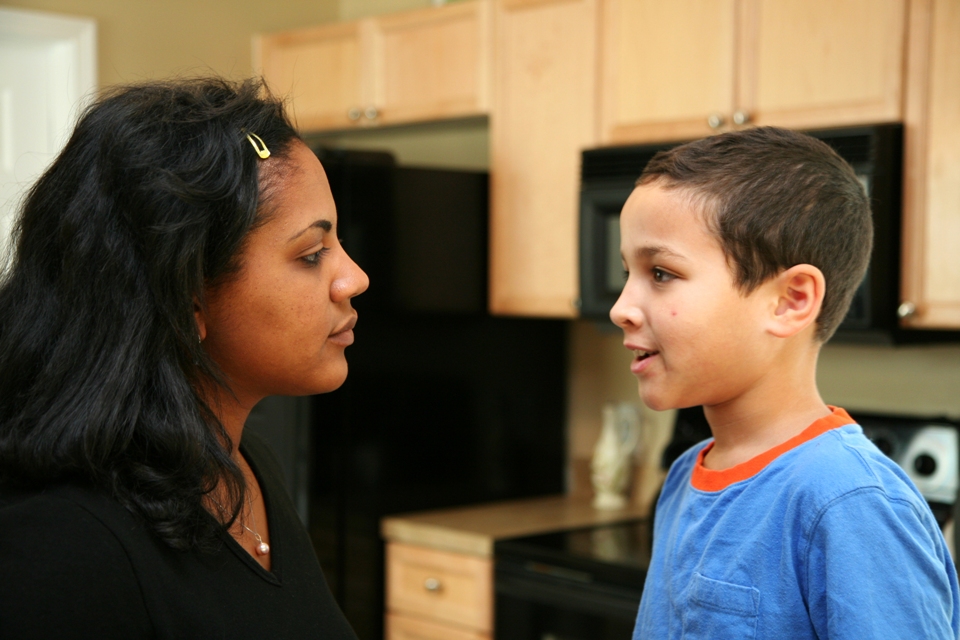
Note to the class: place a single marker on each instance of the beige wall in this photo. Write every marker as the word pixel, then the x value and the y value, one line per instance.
pixel 460 144
pixel 143 39
pixel 353 9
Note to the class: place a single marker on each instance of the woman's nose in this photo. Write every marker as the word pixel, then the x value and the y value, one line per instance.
pixel 352 281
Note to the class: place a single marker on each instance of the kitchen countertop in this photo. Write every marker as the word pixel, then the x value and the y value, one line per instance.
pixel 474 529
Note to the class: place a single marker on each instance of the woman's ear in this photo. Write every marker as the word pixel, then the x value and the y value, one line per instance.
pixel 799 293
pixel 199 317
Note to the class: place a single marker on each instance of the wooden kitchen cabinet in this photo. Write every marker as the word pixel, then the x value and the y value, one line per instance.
pixel 422 65
pixel 433 64
pixel 321 70
pixel 685 69
pixel 931 215
pixel 543 114
pixel 657 85
pixel 438 595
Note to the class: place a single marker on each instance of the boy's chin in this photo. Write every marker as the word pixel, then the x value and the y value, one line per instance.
pixel 657 401
pixel 662 400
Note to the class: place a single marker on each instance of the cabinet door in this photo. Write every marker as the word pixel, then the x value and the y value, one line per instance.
pixel 321 70
pixel 543 115
pixel 666 68
pixel 821 63
pixel 931 216
pixel 432 64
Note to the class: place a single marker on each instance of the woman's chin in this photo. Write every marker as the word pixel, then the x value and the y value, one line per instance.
pixel 333 379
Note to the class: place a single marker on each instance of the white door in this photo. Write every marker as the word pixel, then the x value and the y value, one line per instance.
pixel 47 72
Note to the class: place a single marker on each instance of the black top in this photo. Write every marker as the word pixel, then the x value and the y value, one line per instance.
pixel 74 563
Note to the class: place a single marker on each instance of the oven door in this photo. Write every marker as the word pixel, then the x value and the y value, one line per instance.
pixel 539 601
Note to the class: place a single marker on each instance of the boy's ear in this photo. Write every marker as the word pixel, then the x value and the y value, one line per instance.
pixel 799 293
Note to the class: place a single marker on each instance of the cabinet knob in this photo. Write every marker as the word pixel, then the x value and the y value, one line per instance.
pixel 906 309
pixel 741 117
pixel 372 113
pixel 715 120
pixel 433 585
pixel 354 113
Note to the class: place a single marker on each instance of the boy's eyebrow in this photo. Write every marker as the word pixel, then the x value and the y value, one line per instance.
pixel 657 251
pixel 326 225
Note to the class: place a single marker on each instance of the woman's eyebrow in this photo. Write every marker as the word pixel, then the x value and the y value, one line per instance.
pixel 326 225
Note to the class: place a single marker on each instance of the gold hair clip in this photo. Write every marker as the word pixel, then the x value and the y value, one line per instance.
pixel 261 149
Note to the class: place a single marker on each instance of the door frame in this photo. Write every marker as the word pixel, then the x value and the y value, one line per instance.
pixel 70 44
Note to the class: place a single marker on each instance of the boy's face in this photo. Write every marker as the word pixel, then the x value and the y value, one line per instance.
pixel 696 339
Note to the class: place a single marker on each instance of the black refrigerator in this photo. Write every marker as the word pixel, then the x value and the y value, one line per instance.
pixel 444 404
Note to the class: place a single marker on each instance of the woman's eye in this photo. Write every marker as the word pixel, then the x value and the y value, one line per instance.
pixel 626 275
pixel 314 259
pixel 659 275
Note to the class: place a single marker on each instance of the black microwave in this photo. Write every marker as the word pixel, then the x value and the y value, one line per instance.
pixel 875 152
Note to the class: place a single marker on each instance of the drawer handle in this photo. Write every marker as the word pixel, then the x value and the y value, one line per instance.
pixel 432 585
pixel 907 310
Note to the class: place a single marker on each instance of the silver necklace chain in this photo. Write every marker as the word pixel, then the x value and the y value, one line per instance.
pixel 262 547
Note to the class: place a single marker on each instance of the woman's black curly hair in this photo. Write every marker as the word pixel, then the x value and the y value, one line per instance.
pixel 147 206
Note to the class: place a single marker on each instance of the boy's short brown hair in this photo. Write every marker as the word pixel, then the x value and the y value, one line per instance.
pixel 777 198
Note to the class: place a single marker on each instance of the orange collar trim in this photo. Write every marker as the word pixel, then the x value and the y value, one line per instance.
pixel 716 480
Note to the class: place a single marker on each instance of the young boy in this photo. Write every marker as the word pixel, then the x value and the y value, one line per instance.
pixel 742 253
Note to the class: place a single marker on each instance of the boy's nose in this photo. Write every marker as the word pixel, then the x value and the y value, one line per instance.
pixel 624 313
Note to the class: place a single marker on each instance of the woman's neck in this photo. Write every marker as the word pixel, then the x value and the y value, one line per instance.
pixel 232 410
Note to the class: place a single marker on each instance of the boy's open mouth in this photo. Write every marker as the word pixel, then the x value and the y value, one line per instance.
pixel 643 355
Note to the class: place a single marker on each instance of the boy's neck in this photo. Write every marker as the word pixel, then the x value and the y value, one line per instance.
pixel 780 406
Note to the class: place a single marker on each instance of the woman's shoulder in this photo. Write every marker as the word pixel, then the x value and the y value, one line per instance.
pixel 72 515
pixel 64 522
pixel 64 571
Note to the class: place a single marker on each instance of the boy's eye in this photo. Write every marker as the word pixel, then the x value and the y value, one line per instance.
pixel 314 258
pixel 659 275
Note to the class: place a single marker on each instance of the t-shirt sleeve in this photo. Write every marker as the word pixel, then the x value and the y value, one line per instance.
pixel 879 568
pixel 63 574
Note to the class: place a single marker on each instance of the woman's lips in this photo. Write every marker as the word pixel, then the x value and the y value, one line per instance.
pixel 344 335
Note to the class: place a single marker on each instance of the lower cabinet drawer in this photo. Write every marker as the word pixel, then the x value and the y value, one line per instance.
pixel 405 628
pixel 440 586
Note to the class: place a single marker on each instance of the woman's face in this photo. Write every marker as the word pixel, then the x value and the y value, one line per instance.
pixel 280 327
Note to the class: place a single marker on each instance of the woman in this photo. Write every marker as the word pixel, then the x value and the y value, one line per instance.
pixel 177 263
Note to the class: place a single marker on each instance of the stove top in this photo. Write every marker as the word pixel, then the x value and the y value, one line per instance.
pixel 617 554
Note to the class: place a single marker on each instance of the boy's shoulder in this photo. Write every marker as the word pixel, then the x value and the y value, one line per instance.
pixel 841 479
pixel 844 460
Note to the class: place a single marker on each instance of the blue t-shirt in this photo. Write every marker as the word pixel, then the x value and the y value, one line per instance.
pixel 822 537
